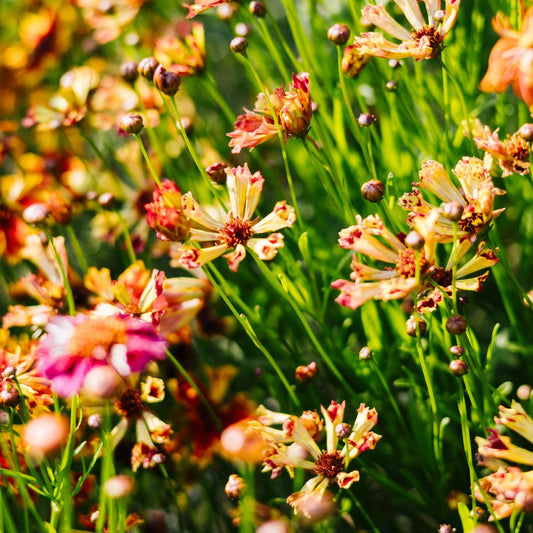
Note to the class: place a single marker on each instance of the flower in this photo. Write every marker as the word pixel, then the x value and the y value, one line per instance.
pixel 235 229
pixel 74 345
pixel 203 5
pixel 292 112
pixel 511 59
pixel 329 465
pixel 424 41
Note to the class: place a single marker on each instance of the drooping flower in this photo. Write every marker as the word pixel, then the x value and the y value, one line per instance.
pixel 423 41
pixel 75 345
pixel 203 5
pixel 235 230
pixel 294 446
pixel 292 110
pixel 511 59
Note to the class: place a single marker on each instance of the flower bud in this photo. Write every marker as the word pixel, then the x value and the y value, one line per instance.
pixel 234 487
pixel 226 11
pixel 217 172
pixel 439 15
pixel 414 240
pixel 391 86
pixel 94 421
pixel 523 392
pixel 339 34
pixel 9 372
pixel 458 351
pixel 106 199
pixel 453 211
pixel 101 382
pixel 258 8
pixel 46 434
pixel 410 327
pixel 365 353
pixel 394 63
pixel 238 45
pixel 242 29
pixel 366 119
pixel 353 61
pixel 526 132
pixel 35 213
pixel 343 431
pixel 129 72
pixel 9 395
pixel 456 325
pixel 132 123
pixel 306 373
pixel 147 67
pixel 373 191
pixel 446 528
pixel 458 367
pixel 117 487
pixel 166 81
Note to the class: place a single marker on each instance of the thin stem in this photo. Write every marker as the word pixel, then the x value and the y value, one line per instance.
pixel 77 249
pixel 127 238
pixel 148 162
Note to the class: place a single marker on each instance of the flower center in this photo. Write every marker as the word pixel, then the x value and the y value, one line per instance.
pixel 406 264
pixel 433 36
pixel 329 464
pixel 94 337
pixel 129 404
pixel 236 231
pixel 472 223
pixel 442 277
pixel 517 148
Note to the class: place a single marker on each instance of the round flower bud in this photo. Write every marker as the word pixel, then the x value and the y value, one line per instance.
pixel 147 67
pixel 373 190
pixel 524 501
pixel 226 11
pixel 306 373
pixel 414 240
pixel 391 86
pixel 343 431
pixel 458 351
pixel 129 72
pixel 106 199
pixel 234 487
pixel 410 327
pixel 217 172
pixel 439 15
pixel 453 211
pixel 101 382
pixel 35 213
pixel 9 395
pixel 95 421
pixel 526 132
pixel 9 372
pixel 446 528
pixel 132 123
pixel 458 367
pixel 242 29
pixel 523 392
pixel 258 8
pixel 238 45
pixel 456 325
pixel 366 119
pixel 166 81
pixel 339 34
pixel 365 353
pixel 117 487
pixel 46 434
pixel 395 63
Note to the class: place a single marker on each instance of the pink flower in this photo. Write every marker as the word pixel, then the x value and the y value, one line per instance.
pixel 75 345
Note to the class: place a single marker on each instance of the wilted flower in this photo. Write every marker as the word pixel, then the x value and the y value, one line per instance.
pixel 353 61
pixel 235 229
pixel 510 59
pixel 74 345
pixel 423 41
pixel 292 111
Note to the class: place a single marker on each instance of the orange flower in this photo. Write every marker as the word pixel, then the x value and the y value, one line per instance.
pixel 511 59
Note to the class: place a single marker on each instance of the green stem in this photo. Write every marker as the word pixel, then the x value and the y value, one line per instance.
pixel 148 162
pixel 127 238
pixel 77 249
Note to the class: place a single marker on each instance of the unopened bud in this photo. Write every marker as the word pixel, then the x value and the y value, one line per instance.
pixel 395 63
pixel 306 373
pixel 129 72
pixel 117 487
pixel 365 353
pixel 453 211
pixel 46 434
pixel 187 124
pixel 226 11
pixel 258 8
pixel 458 367
pixel 391 86
pixel 217 172
pixel 410 327
pixel 456 325
pixel 456 350
pixel 439 15
pixel 166 81
pixel 526 132
pixel 94 421
pixel 524 500
pixel 147 67
pixel 446 528
pixel 35 213
pixel 242 29
pixel 523 392
pixel 9 395
pixel 101 382
pixel 414 240
pixel 366 119
pixel 343 431
pixel 238 45
pixel 373 191
pixel 234 487
pixel 9 372
pixel 132 123
pixel 339 34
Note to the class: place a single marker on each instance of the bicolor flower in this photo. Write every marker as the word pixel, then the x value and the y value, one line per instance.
pixel 235 230
pixel 424 40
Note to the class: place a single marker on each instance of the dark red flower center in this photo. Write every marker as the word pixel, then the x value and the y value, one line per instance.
pixel 236 231
pixel 329 464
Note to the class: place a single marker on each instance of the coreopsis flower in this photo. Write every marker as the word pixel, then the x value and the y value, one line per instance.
pixel 475 197
pixel 423 41
pixel 184 52
pixel 509 488
pixel 330 466
pixel 292 110
pixel 235 230
pixel 203 5
pixel 75 345
pixel 353 61
pixel 510 61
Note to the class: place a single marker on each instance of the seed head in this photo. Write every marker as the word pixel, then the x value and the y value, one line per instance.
pixel 147 67
pixel 258 8
pixel 166 81
pixel 456 325
pixel 132 123
pixel 238 45
pixel 129 72
pixel 339 34
pixel 373 191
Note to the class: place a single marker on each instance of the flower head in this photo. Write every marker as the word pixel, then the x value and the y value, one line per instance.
pixel 202 5
pixel 292 110
pixel 235 230
pixel 423 41
pixel 74 345
pixel 510 61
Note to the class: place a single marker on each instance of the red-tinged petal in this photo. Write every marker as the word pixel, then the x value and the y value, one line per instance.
pixel 346 479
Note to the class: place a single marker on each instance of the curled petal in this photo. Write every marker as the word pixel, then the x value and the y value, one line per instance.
pixel 345 479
